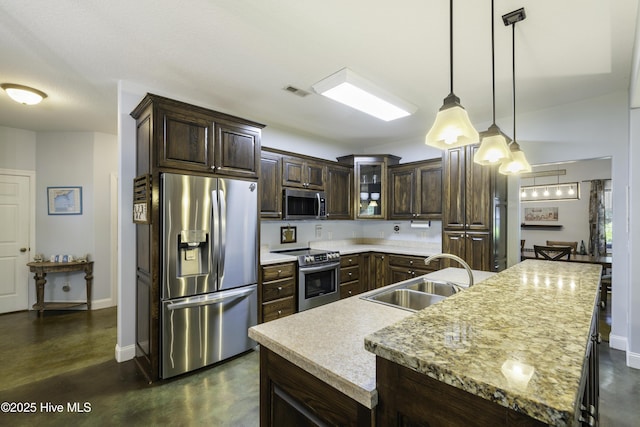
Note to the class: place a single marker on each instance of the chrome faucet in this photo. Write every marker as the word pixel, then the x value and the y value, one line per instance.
pixel 455 258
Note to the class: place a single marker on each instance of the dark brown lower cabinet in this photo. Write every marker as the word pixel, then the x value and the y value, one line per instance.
pixel 290 396
pixel 407 398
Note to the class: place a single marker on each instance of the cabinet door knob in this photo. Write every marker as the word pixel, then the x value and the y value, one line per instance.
pixel 23 249
pixel 350 273
pixel 279 312
pixel 349 292
pixel 279 288
pixel 411 262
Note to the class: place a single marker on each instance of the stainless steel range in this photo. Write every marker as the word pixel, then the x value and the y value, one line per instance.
pixel 318 277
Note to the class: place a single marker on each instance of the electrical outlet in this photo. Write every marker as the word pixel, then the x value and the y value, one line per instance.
pixel 381 234
pixel 330 235
pixel 318 231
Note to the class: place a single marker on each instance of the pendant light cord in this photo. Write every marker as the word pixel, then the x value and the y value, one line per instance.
pixel 493 64
pixel 513 70
pixel 451 46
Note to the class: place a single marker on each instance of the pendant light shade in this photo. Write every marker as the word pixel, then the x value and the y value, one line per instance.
pixel 452 127
pixel 518 162
pixel 494 146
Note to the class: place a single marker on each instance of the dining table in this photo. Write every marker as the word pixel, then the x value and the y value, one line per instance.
pixel 604 261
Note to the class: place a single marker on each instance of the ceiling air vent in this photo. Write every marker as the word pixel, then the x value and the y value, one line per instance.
pixel 294 90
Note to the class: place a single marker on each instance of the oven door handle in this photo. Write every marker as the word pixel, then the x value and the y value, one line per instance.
pixel 320 267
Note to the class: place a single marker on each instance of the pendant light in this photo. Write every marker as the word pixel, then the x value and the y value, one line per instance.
pixel 518 162
pixel 494 146
pixel 452 127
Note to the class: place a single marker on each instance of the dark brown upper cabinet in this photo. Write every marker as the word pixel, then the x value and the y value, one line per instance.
pixel 303 173
pixel 270 186
pixel 191 138
pixel 339 191
pixel 474 207
pixel 416 190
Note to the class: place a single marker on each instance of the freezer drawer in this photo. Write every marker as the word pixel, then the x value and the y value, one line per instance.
pixel 202 330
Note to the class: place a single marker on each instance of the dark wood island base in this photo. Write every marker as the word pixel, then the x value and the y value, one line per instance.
pixel 290 396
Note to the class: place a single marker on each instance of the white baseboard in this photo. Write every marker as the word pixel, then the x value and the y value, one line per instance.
pixel 618 342
pixel 633 360
pixel 102 303
pixel 125 353
pixel 95 304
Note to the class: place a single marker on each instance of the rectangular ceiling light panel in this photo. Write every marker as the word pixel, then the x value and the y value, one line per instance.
pixel 350 89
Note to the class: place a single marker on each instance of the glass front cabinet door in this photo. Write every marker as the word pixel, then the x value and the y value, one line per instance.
pixel 370 179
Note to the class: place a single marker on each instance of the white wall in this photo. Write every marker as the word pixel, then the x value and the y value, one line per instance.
pixel 76 159
pixel 128 98
pixel 17 149
pixel 573 215
pixel 632 228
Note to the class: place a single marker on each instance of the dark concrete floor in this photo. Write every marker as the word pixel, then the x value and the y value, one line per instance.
pixel 31 351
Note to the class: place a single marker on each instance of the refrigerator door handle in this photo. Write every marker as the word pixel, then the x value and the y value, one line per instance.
pixel 215 229
pixel 209 300
pixel 222 230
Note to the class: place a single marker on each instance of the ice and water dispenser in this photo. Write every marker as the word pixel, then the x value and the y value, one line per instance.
pixel 193 253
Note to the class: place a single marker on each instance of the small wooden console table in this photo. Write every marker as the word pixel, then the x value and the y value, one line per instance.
pixel 40 270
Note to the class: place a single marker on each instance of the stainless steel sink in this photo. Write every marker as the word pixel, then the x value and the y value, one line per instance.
pixel 414 294
pixel 408 299
pixel 445 289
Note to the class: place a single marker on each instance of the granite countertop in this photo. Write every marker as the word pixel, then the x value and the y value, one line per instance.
pixel 518 338
pixel 336 354
pixel 355 246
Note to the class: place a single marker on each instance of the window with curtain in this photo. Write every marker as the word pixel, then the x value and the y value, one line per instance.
pixel 608 215
pixel 598 218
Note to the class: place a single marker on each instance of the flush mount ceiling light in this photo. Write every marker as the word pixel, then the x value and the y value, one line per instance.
pixel 23 94
pixel 517 163
pixel 452 127
pixel 350 89
pixel 494 145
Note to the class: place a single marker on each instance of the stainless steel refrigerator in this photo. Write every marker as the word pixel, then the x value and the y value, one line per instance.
pixel 209 270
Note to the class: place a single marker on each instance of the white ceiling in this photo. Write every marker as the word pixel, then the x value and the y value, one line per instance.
pixel 237 56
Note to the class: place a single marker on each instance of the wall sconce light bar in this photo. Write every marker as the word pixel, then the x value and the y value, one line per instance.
pixel 350 89
pixel 559 191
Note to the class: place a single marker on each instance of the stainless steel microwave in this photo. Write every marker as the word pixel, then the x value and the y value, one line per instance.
pixel 303 204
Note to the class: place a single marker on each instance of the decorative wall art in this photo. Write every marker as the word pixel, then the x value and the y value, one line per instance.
pixel 541 214
pixel 64 200
pixel 288 234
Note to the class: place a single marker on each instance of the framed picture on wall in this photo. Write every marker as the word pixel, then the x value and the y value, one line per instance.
pixel 541 214
pixel 64 200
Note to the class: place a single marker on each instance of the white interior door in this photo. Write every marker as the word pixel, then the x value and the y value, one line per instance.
pixel 14 242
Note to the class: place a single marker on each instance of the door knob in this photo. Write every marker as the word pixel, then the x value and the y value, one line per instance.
pixel 23 249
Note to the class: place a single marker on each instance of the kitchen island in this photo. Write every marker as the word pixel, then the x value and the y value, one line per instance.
pixel 519 340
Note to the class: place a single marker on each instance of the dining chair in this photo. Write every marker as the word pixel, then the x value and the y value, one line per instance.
pixel 574 245
pixel 553 253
